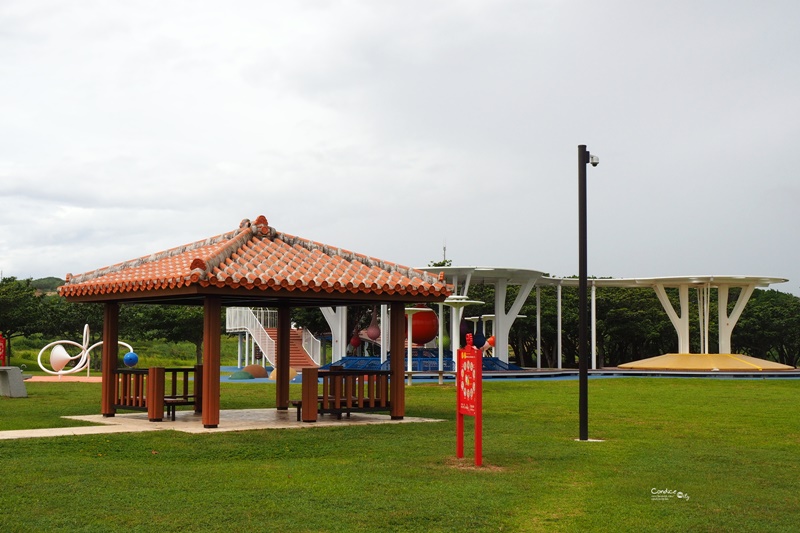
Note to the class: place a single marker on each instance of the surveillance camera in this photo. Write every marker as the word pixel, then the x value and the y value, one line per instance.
pixel 594 160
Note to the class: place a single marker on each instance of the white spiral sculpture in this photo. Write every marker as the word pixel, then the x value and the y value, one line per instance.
pixel 59 356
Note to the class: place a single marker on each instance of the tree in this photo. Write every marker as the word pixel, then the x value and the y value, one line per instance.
pixel 173 323
pixel 310 318
pixel 19 309
pixel 632 326
pixel 66 320
pixel 47 285
pixel 769 327
pixel 442 263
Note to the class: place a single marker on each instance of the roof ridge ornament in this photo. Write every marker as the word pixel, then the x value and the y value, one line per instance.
pixel 260 227
pixel 207 265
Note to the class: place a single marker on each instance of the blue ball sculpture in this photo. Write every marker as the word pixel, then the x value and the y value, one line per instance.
pixel 130 359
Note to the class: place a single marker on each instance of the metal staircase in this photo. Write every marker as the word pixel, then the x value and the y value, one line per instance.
pixel 259 323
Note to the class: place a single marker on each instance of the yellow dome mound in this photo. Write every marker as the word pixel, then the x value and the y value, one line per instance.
pixel 705 362
pixel 274 374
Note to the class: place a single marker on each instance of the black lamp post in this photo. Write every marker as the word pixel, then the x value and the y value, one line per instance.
pixel 584 157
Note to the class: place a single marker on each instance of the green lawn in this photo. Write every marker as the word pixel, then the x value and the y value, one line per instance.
pixel 730 445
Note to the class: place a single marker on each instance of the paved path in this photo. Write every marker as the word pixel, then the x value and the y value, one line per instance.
pixel 188 422
pixel 80 379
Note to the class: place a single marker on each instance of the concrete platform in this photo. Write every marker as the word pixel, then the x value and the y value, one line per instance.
pixel 69 378
pixel 188 422
pixel 12 384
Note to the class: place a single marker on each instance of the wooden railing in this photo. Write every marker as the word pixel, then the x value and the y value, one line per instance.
pixel 130 391
pixel 155 388
pixel 343 391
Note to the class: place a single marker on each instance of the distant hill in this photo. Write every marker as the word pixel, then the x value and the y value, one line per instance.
pixel 47 285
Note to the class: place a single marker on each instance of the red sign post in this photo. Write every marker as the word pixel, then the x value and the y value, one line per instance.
pixel 469 386
pixel 2 350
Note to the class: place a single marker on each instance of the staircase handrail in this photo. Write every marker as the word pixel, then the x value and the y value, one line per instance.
pixel 312 346
pixel 238 319
pixel 268 318
pixel 255 320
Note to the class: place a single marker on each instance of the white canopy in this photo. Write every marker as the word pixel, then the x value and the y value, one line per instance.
pixel 463 277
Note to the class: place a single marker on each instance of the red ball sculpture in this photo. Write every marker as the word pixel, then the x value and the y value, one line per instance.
pixel 374 330
pixel 424 328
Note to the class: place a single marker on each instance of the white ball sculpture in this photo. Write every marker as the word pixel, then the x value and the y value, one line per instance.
pixel 59 358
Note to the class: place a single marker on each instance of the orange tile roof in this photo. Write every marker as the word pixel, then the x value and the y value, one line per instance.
pixel 256 256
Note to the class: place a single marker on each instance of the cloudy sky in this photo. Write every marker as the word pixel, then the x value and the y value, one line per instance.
pixel 393 128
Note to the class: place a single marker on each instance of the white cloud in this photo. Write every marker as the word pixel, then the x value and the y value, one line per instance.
pixel 390 127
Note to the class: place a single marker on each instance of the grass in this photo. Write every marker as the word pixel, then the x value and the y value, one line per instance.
pixel 731 445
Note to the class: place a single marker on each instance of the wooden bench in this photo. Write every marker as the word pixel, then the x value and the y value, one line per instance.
pixel 343 392
pixel 148 390
pixel 11 382
pixel 298 405
pixel 186 395
pixel 441 374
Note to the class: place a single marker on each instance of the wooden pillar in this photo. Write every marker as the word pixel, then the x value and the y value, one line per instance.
pixel 310 393
pixel 396 345
pixel 212 310
pixel 110 355
pixel 282 358
pixel 155 393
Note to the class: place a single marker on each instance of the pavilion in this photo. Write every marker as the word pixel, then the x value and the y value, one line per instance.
pixel 462 277
pixel 253 265
pixel 684 359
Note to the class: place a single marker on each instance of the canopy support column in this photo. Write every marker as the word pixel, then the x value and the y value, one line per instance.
pixel 337 320
pixel 681 323
pixel 558 326
pixel 703 309
pixel 441 337
pixel 239 350
pixel 538 328
pixel 456 314
pixel 396 382
pixel 726 322
pixel 502 320
pixel 384 333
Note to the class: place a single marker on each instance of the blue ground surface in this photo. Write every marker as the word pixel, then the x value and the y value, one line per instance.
pixel 420 364
pixel 550 375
